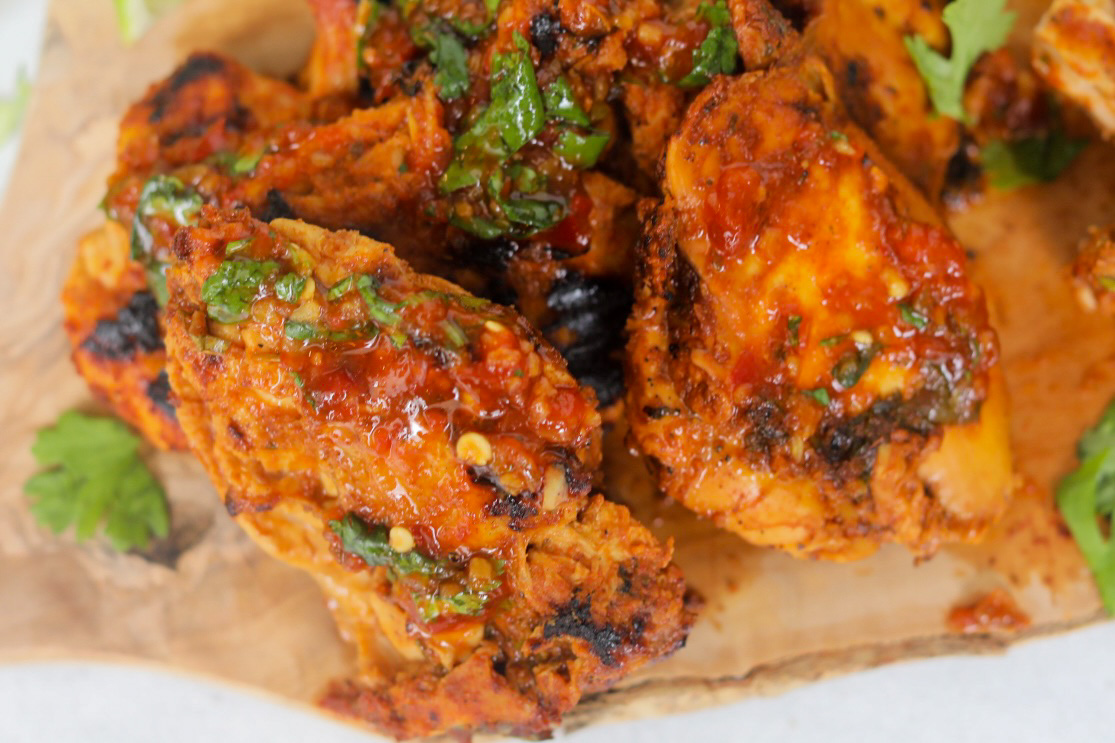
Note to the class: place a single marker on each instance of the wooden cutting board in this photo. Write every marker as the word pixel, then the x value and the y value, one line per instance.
pixel 207 601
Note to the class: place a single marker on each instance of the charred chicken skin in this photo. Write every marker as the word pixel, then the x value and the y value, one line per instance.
pixel 810 364
pixel 520 217
pixel 214 132
pixel 429 460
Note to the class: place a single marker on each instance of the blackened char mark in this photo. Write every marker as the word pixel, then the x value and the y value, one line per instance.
pixel 482 268
pixel 575 620
pixel 849 445
pixel 275 207
pixel 197 67
pixel 518 508
pixel 159 394
pixel 767 429
pixel 135 329
pixel 592 312
pixel 545 32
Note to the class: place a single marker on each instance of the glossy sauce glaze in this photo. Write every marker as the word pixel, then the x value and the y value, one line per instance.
pixel 806 331
pixel 428 459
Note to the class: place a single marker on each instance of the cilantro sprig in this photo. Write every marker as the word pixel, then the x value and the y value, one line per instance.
pixel 1086 499
pixel 975 26
pixel 718 53
pixel 95 479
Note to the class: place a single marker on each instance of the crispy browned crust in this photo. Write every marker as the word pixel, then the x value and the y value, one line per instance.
pixel 290 446
pixel 863 43
pixel 113 327
pixel 787 254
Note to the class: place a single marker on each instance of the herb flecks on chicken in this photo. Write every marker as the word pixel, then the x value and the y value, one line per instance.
pixel 810 364
pixel 429 460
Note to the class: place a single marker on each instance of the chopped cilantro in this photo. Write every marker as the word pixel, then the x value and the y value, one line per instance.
pixel 465 602
pixel 792 325
pixel 451 60
pixel 485 229
pixel 821 395
pixel 301 331
pixel 369 543
pixel 229 292
pixel 163 196
pixel 302 386
pixel 458 176
pixel 976 26
pixel 289 287
pixel 1031 160
pixel 560 103
pixel 94 478
pixel 381 310
pixel 516 99
pixel 717 54
pixel 1086 499
pixel 852 366
pixel 455 334
pixel 832 340
pixel 237 245
pixel 245 164
pixel 912 317
pixel 581 150
pixel 341 288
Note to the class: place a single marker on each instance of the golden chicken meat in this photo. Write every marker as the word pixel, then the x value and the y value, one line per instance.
pixel 1074 52
pixel 810 364
pixel 429 460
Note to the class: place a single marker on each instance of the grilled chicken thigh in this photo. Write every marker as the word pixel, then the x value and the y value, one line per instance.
pixel 430 461
pixel 810 364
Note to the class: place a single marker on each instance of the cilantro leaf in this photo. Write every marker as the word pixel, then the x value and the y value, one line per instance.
pixel 851 366
pixel 13 106
pixel 94 477
pixel 910 316
pixel 581 150
pixel 976 26
pixel 168 198
pixel 451 60
pixel 560 103
pixel 370 543
pixel 516 100
pixel 1031 160
pixel 820 395
pixel 229 292
pixel 1086 499
pixel 718 52
pixel 289 287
